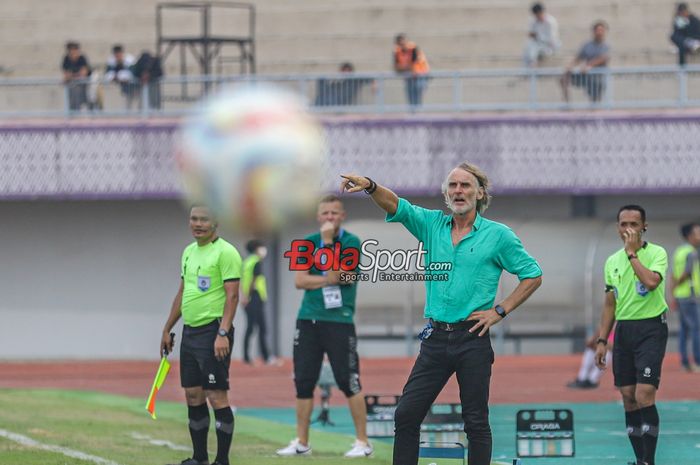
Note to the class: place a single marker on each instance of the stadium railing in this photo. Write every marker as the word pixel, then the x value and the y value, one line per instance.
pixel 356 93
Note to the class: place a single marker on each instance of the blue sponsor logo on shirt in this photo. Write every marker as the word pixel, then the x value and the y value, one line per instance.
pixel 641 289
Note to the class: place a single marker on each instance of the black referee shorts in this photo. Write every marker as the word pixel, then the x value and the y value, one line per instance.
pixel 198 364
pixel 640 346
pixel 312 339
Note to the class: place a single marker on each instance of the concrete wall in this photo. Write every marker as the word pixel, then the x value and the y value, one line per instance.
pixel 316 35
pixel 96 279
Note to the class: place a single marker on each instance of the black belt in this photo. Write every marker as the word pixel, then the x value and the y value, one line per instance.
pixel 458 326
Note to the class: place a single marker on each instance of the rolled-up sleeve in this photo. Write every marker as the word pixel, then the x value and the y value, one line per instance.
pixel 513 257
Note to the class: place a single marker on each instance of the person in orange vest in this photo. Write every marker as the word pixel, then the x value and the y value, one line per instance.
pixel 410 60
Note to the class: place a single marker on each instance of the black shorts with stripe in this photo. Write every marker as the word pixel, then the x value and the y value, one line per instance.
pixel 638 353
pixel 312 339
pixel 198 364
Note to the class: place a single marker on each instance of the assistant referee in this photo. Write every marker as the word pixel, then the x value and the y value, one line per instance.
pixel 634 296
pixel 206 300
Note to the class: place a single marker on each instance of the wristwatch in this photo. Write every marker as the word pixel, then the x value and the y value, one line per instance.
pixel 501 311
pixel 222 332
pixel 602 341
pixel 631 256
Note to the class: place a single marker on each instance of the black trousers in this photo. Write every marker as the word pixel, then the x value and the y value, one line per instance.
pixel 256 319
pixel 446 352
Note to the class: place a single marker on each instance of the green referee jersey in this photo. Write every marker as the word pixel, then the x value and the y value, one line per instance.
pixel 204 271
pixel 314 305
pixel 633 301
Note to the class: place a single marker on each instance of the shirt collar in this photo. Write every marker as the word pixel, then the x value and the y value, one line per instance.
pixel 477 221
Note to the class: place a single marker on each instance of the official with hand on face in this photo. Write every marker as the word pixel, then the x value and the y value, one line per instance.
pixel 325 326
pixel 634 296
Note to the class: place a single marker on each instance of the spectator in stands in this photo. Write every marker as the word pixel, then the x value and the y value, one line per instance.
pixel 340 92
pixel 118 70
pixel 411 61
pixel 593 54
pixel 76 70
pixel 543 37
pixel 148 72
pixel 686 32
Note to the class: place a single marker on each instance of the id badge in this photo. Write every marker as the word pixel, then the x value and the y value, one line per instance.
pixel 203 283
pixel 332 298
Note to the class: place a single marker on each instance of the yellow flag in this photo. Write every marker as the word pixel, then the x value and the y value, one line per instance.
pixel 163 370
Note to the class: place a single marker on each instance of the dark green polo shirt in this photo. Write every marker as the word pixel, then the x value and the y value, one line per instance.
pixel 477 261
pixel 312 305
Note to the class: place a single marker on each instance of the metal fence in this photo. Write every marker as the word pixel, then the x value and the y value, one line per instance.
pixel 355 93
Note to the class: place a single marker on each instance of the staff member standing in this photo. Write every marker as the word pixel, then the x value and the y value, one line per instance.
pixel 325 326
pixel 411 61
pixel 635 298
pixel 206 300
pixel 253 298
pixel 460 310
pixel 686 292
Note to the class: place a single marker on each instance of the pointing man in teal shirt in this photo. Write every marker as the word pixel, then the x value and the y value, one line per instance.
pixel 461 309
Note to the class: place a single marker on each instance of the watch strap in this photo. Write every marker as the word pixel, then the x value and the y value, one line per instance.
pixel 501 311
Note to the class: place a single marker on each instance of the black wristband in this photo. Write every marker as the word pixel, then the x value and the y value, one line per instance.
pixel 372 186
pixel 631 256
pixel 602 341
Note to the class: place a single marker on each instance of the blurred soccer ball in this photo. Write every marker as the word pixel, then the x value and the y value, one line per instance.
pixel 254 156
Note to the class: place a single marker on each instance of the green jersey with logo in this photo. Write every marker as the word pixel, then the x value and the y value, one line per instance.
pixel 633 301
pixel 204 271
pixel 330 303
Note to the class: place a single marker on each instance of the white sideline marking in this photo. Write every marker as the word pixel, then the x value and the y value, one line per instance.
pixel 76 454
pixel 159 442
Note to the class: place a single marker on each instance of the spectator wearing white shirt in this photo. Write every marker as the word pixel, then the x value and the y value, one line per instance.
pixel 543 37
pixel 118 70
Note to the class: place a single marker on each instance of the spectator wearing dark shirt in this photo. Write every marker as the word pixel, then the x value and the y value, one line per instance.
pixel 76 69
pixel 593 54
pixel 340 92
pixel 148 72
pixel 686 32
pixel 118 70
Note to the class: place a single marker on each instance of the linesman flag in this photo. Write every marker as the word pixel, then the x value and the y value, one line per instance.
pixel 159 380
pixel 163 370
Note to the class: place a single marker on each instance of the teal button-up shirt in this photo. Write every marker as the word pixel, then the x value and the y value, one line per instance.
pixel 476 262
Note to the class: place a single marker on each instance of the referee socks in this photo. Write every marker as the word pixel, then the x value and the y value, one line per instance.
pixel 224 434
pixel 650 432
pixel 199 428
pixel 633 419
